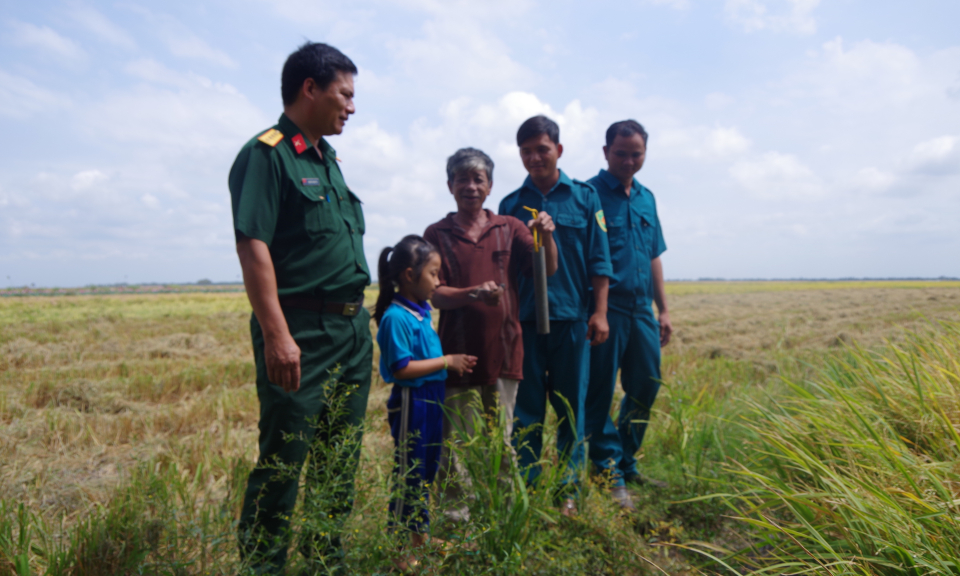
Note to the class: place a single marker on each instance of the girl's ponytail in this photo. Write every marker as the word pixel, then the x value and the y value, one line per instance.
pixel 386 285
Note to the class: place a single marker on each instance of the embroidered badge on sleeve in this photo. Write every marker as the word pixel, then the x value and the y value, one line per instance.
pixel 271 137
pixel 601 220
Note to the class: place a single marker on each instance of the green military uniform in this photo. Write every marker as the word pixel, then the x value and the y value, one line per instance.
pixel 286 195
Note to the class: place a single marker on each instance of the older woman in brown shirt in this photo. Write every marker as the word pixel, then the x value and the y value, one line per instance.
pixel 482 253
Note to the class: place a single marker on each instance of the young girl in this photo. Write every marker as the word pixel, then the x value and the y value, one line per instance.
pixel 411 358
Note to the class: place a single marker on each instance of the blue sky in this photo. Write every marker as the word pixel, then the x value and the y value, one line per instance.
pixel 789 138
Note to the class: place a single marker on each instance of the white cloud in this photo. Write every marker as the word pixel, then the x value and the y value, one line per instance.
pixel 20 98
pixel 157 73
pixel 121 216
pixel 869 78
pixel 872 179
pixel 183 42
pixel 937 156
pixel 469 9
pixel 704 143
pixel 466 59
pixel 100 26
pixel 157 192
pixel 776 175
pixel 389 221
pixel 46 40
pixel 188 45
pixel 87 179
pixel 320 12
pixel 775 15
pixel 881 107
pixel 196 115
pixel 675 4
pixel 717 101
pixel 723 142
pixel 11 200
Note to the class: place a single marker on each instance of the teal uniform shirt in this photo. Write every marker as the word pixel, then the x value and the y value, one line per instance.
pixel 635 237
pixel 633 348
pixel 300 206
pixel 581 245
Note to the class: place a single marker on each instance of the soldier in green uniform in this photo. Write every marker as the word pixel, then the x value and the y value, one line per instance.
pixel 299 233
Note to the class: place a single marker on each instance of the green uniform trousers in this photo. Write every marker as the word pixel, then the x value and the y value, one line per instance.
pixel 633 348
pixel 336 361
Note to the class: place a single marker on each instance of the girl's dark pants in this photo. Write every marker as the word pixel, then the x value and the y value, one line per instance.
pixel 416 423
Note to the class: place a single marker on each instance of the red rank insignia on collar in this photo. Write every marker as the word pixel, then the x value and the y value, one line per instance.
pixel 298 144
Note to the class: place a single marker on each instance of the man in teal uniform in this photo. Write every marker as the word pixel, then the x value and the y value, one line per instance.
pixel 299 233
pixel 636 243
pixel 556 365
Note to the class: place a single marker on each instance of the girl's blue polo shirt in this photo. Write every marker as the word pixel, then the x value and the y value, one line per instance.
pixel 406 334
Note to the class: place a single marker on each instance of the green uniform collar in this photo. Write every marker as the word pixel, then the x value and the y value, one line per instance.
pixel 290 131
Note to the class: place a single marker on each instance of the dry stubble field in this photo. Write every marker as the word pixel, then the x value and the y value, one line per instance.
pixel 93 387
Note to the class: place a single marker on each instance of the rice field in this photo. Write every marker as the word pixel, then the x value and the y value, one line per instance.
pixel 802 427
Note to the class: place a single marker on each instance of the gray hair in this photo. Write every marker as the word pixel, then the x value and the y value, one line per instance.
pixel 469 159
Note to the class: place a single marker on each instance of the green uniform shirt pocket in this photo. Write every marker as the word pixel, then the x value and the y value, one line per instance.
pixel 318 210
pixel 360 223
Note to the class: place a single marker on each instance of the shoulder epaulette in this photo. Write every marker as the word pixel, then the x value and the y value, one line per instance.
pixel 271 137
pixel 586 185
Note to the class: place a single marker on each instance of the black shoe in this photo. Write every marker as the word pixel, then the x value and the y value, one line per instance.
pixel 641 480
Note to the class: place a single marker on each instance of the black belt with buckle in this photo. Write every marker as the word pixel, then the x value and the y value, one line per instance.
pixel 318 305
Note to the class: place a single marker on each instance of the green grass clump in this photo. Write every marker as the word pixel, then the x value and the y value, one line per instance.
pixel 857 472
pixel 160 521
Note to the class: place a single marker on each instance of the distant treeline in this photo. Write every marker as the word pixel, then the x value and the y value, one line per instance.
pixel 123 288
pixel 844 279
pixel 209 286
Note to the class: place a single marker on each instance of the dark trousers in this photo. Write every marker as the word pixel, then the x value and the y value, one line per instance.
pixel 416 423
pixel 555 368
pixel 634 349
pixel 336 351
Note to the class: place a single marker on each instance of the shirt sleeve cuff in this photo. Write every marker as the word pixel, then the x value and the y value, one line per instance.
pixel 252 231
pixel 604 269
pixel 399 365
